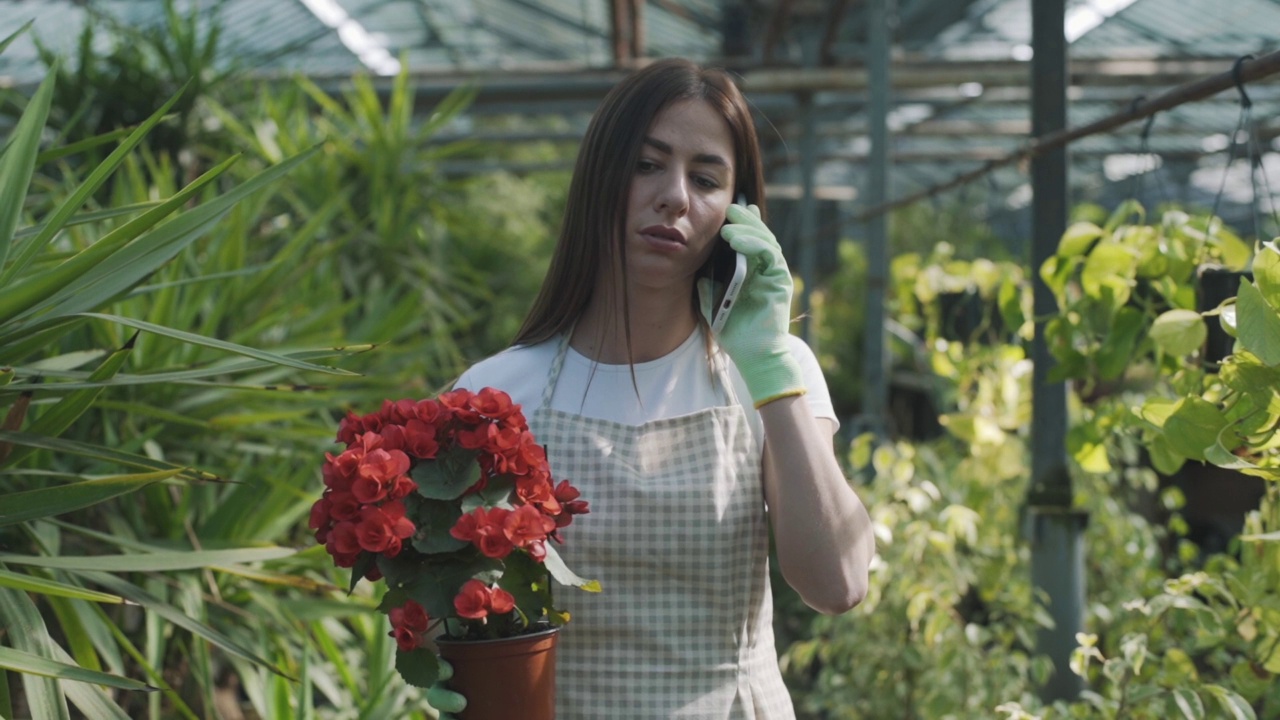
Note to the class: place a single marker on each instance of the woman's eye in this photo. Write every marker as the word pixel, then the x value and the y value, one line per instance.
pixel 646 166
pixel 706 182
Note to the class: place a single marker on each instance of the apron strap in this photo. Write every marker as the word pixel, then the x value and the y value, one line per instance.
pixel 553 375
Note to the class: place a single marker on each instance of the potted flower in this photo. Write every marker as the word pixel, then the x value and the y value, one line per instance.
pixel 451 502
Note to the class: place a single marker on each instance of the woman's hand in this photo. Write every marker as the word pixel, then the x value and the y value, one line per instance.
pixel 755 334
pixel 441 698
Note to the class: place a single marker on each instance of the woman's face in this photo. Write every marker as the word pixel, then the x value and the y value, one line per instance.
pixel 680 189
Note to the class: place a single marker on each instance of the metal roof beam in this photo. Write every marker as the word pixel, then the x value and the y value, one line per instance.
pixel 567 81
pixel 560 18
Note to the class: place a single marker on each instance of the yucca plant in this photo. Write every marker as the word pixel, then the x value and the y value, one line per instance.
pixel 61 277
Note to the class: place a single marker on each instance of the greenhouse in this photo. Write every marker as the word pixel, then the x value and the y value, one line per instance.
pixel 320 377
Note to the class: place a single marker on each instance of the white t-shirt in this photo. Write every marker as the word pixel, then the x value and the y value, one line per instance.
pixel 679 383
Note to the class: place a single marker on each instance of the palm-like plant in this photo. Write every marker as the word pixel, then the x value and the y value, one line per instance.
pixel 60 277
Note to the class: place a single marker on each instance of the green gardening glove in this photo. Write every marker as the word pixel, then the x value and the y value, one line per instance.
pixel 755 336
pixel 440 697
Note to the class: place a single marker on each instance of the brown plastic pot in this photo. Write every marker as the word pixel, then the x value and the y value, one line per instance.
pixel 507 678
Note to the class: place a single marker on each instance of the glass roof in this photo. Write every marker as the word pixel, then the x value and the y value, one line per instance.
pixel 938 130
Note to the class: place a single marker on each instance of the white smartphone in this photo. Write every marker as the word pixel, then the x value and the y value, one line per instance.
pixel 734 287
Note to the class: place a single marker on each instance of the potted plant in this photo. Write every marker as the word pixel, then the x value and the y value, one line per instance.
pixel 451 502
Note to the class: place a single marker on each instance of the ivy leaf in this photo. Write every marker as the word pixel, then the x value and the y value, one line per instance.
pixel 1078 238
pixel 1056 271
pixel 1157 410
pixel 1232 702
pixel 1122 213
pixel 1219 455
pixel 1234 252
pixel 1266 273
pixel 1107 265
pixel 419 667
pixel 1189 703
pixel 448 476
pixel 1246 374
pixel 1178 668
pixel 1227 316
pixel 1164 458
pixel 1258 324
pixel 1179 332
pixel 1117 350
pixel 1194 426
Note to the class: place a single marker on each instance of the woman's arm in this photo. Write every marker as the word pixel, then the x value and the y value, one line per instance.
pixel 821 528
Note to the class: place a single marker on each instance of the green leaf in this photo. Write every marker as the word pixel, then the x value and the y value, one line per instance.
pixel 1246 374
pixel 17 164
pixel 1179 668
pixel 1266 273
pixel 437 518
pixel 30 583
pixel 565 576
pixel 1231 702
pixel 177 617
pixel 14 35
pixel 1220 455
pixel 1257 324
pixel 102 454
pixel 1122 213
pixel 434 585
pixel 1157 410
pixel 273 358
pixel 73 277
pixel 25 631
pixel 1078 238
pixel 84 190
pixel 35 665
pixel 151 562
pixel 1117 349
pixel 448 476
pixel 1194 426
pixel 1179 332
pixel 55 420
pixel 90 699
pixel 213 370
pixel 527 581
pixel 1189 703
pixel 419 667
pixel 51 501
pixel 1108 265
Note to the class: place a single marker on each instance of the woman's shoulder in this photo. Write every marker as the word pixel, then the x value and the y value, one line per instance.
pixel 519 371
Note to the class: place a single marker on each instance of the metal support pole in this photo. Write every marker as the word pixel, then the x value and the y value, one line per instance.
pixel 809 29
pixel 1056 556
pixel 875 384
pixel 807 212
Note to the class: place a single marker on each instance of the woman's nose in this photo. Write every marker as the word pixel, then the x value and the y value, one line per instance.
pixel 673 196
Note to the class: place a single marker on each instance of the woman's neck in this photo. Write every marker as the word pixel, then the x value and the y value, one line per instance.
pixel 661 320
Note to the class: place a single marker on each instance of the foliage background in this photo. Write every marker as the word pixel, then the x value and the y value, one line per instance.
pixel 368 258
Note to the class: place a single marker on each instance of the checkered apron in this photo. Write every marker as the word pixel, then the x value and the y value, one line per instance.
pixel 677 536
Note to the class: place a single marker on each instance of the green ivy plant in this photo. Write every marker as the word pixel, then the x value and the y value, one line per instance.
pixel 1207 643
pixel 1126 290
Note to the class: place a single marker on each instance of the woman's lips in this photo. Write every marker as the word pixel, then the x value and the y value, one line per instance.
pixel 664 235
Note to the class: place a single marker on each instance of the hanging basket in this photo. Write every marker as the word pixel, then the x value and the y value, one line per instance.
pixel 506 678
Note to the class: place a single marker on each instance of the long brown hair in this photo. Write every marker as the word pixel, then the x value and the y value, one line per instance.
pixel 594 225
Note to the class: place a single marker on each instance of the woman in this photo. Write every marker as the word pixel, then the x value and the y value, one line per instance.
pixel 685 443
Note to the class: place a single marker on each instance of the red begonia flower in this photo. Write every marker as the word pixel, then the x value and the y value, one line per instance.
pixel 527 525
pixel 501 601
pixel 471 602
pixel 492 403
